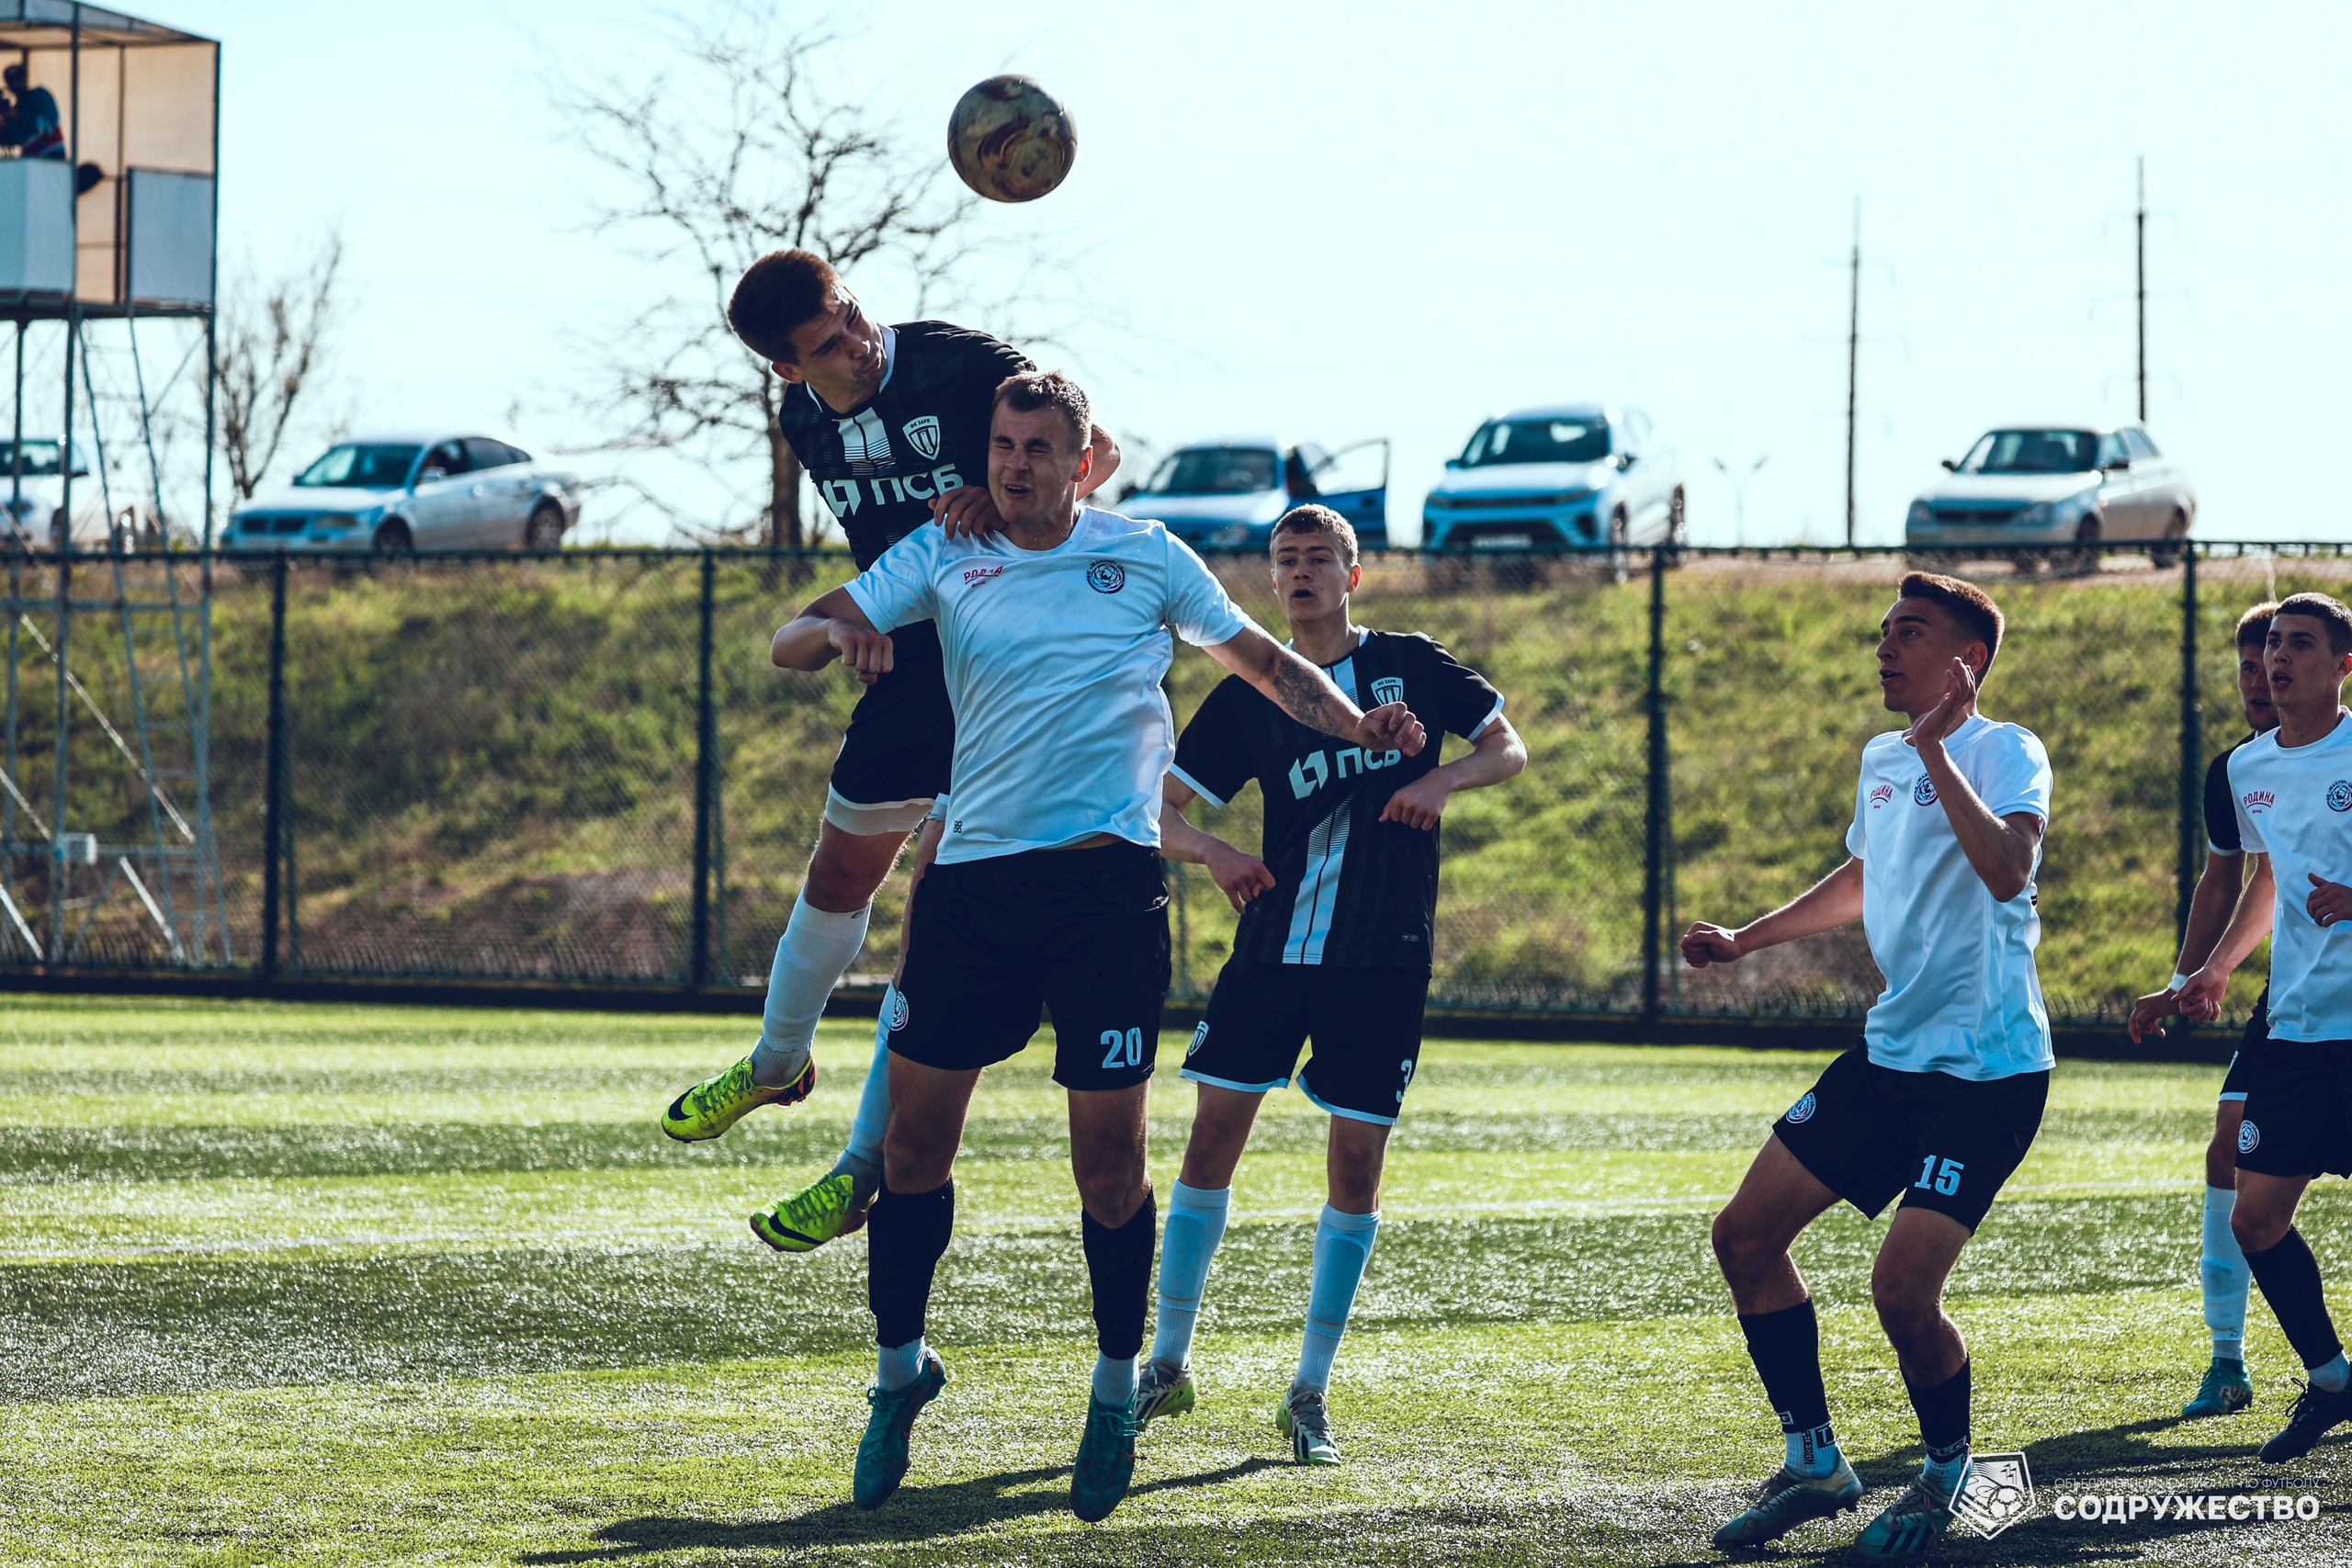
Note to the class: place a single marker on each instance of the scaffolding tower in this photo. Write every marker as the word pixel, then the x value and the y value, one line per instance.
pixel 108 260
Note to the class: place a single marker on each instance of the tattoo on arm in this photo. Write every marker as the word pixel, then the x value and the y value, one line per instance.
pixel 1305 694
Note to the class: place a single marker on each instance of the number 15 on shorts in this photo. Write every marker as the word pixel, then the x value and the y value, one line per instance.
pixel 1124 1048
pixel 1938 1176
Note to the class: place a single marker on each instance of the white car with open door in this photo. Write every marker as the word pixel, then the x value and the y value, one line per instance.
pixel 1229 494
pixel 413 491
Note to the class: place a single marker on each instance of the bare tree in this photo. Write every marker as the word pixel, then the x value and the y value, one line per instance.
pixel 732 149
pixel 272 346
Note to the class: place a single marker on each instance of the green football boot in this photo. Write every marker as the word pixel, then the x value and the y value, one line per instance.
pixel 1164 1389
pixel 2225 1391
pixel 716 1104
pixel 1784 1500
pixel 1911 1524
pixel 812 1216
pixel 1106 1459
pixel 882 1451
pixel 1306 1420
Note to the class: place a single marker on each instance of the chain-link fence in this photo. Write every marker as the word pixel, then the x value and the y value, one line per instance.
pixel 580 770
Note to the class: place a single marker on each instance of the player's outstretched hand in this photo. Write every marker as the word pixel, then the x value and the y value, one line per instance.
pixel 1391 726
pixel 1703 944
pixel 1419 804
pixel 967 512
pixel 1952 710
pixel 865 651
pixel 2330 903
pixel 2149 1012
pixel 2200 1002
pixel 1242 877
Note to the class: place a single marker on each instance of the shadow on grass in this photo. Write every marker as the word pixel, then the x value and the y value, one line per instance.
pixel 915 1514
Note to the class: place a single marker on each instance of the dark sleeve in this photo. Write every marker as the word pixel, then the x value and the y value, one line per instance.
pixel 1467 703
pixel 1212 754
pixel 2221 809
pixel 985 361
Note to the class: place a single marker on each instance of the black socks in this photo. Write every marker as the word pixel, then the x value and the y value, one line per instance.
pixel 1786 1348
pixel 1943 1414
pixel 906 1234
pixel 1118 1267
pixel 2289 1276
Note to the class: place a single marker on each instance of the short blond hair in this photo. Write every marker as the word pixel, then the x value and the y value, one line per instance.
pixel 1314 519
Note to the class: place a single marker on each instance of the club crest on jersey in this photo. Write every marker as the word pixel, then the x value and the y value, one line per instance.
pixel 1803 1110
pixel 1924 792
pixel 898 1010
pixel 1881 796
pixel 1387 689
pixel 922 435
pixel 2339 795
pixel 1200 1038
pixel 2249 1137
pixel 1105 576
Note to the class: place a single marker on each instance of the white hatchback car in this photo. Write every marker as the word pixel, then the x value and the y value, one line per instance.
pixel 116 515
pixel 410 491
pixel 2045 484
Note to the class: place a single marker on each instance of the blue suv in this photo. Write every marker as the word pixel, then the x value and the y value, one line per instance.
pixel 1582 476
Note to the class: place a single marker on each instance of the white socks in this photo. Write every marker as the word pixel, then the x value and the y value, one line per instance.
pixel 1813 1452
pixel 1195 1224
pixel 896 1368
pixel 862 1156
pixel 2332 1377
pixel 1115 1382
pixel 810 957
pixel 1946 1471
pixel 1342 1248
pixel 2223 1273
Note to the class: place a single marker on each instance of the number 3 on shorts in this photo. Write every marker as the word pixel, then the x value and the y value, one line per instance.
pixel 1126 1048
pixel 1945 1181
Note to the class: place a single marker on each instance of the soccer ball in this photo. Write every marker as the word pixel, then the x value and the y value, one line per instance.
pixel 1011 139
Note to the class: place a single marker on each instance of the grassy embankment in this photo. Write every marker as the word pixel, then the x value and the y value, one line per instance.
pixel 493 767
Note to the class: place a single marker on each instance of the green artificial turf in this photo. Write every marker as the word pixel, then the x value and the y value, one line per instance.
pixel 330 1284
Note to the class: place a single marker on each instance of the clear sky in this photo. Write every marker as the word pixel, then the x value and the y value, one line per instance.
pixel 1343 220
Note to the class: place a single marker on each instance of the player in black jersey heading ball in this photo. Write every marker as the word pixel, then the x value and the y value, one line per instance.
pixel 1334 942
pixel 892 425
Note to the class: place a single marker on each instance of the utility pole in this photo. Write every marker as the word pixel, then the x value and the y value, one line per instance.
pixel 1853 365
pixel 2140 226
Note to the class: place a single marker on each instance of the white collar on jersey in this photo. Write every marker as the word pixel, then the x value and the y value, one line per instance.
pixel 1355 647
pixel 889 364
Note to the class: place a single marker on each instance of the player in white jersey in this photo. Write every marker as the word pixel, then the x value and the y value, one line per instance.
pixel 1047 891
pixel 1940 1101
pixel 2221 889
pixel 2293 788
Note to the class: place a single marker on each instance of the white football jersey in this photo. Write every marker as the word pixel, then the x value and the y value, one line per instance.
pixel 2294 803
pixel 1963 996
pixel 1054 660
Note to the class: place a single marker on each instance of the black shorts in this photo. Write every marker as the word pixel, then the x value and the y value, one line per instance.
pixel 2297 1108
pixel 901 738
pixel 996 941
pixel 2256 1035
pixel 1868 1132
pixel 1367 1024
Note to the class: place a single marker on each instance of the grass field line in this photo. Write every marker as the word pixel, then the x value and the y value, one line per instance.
pixel 709 1231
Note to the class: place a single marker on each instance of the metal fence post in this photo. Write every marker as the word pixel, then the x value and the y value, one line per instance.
pixel 706 775
pixel 273 794
pixel 2192 743
pixel 1656 823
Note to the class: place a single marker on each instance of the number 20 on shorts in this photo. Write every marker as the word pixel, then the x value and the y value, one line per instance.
pixel 1126 1048
pixel 1942 1176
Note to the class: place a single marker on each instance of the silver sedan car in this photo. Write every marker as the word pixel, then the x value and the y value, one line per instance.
pixel 2056 484
pixel 413 491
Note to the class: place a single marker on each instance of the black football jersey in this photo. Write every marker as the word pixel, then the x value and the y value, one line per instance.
pixel 2221 805
pixel 1349 890
pixel 877 467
